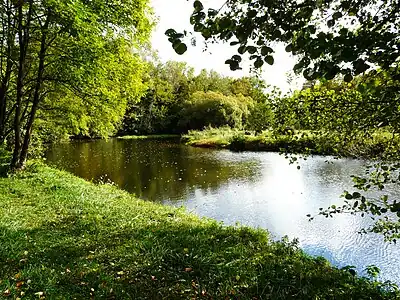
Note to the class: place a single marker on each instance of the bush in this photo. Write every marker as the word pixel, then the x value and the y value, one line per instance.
pixel 214 109
pixel 260 117
pixel 238 142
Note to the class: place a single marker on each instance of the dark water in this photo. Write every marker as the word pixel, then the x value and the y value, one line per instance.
pixel 256 189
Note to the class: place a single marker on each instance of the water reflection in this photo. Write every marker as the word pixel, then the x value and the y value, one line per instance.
pixel 256 189
pixel 153 170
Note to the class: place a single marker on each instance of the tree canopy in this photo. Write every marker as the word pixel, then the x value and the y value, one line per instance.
pixel 344 37
pixel 55 53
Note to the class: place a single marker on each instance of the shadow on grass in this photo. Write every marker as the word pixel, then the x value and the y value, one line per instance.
pixel 4 165
pixel 83 257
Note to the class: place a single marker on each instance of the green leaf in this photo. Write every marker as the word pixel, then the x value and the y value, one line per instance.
pixel 180 48
pixel 198 27
pixel 251 49
pixel 234 65
pixel 348 78
pixel 237 58
pixel 258 63
pixel 198 6
pixel 242 49
pixel 289 48
pixel 337 15
pixel 225 23
pixel 266 50
pixel 312 29
pixel 170 32
pixel 212 12
pixel 269 60
pixel 360 66
pixel 348 196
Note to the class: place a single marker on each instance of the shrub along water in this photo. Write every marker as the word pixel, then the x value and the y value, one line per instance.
pixel 64 238
pixel 377 144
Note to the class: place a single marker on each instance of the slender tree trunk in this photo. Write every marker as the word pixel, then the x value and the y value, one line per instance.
pixel 36 96
pixel 23 39
pixel 6 78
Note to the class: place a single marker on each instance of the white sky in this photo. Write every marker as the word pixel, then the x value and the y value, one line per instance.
pixel 176 13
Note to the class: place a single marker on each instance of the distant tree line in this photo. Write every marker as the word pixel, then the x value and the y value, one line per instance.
pixel 176 101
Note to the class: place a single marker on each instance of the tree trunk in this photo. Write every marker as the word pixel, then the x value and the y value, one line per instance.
pixel 6 78
pixel 23 39
pixel 36 97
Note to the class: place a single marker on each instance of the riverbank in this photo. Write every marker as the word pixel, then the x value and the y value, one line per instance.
pixel 65 238
pixel 375 145
pixel 149 137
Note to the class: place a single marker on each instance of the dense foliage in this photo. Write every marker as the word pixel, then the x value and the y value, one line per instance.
pixel 69 64
pixel 176 101
pixel 330 37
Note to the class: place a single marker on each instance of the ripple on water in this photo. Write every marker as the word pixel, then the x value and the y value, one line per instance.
pixel 256 189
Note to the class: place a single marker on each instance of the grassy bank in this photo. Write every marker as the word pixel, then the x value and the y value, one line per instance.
pixel 149 137
pixel 376 144
pixel 64 238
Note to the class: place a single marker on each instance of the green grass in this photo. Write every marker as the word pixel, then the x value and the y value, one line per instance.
pixel 62 237
pixel 148 137
pixel 374 145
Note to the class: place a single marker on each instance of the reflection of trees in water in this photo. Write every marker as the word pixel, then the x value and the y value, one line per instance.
pixel 153 170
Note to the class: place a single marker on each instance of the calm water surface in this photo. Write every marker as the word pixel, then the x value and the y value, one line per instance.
pixel 253 188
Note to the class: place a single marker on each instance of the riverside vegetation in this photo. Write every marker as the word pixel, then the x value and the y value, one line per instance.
pixel 65 238
pixel 293 141
pixel 62 237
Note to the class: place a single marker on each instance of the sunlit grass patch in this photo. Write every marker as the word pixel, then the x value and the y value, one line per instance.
pixel 358 144
pixel 64 238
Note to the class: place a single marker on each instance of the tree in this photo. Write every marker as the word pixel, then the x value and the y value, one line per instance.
pixel 215 109
pixel 68 48
pixel 160 106
pixel 332 39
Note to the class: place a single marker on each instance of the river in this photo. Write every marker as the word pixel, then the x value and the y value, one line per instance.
pixel 258 189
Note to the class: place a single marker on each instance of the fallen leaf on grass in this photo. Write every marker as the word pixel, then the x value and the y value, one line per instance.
pixel 19 284
pixel 6 293
pixel 188 269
